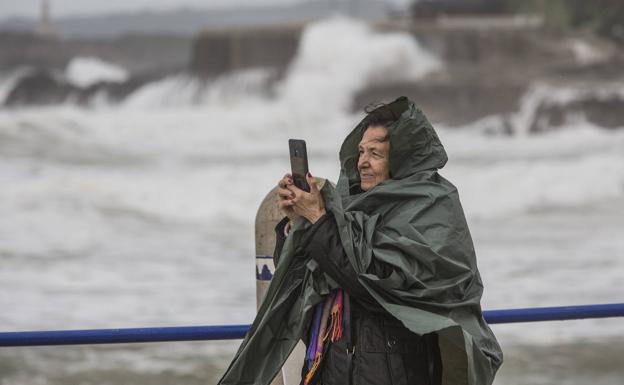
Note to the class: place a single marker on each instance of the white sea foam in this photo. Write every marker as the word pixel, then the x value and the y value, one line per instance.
pixel 499 176
pixel 9 80
pixel 184 90
pixel 86 71
pixel 339 57
pixel 545 95
pixel 585 53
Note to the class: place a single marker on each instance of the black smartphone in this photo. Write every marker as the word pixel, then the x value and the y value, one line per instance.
pixel 299 163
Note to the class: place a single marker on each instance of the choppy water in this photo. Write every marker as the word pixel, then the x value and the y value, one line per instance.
pixel 141 214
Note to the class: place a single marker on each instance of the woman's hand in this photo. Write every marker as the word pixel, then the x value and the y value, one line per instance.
pixel 285 195
pixel 308 205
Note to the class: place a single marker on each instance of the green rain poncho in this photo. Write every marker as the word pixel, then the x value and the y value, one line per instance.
pixel 412 222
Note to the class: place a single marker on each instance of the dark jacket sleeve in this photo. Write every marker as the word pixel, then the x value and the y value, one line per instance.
pixel 325 247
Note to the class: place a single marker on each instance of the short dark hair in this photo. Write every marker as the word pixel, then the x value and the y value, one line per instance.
pixel 379 114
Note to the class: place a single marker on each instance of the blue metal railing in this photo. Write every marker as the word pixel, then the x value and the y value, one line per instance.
pixel 229 332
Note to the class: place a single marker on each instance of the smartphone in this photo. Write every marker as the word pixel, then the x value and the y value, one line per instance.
pixel 299 163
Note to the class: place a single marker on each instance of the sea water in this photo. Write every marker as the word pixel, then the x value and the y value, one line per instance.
pixel 141 213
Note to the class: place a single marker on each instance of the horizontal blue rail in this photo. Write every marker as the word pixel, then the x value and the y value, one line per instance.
pixel 230 332
pixel 128 335
pixel 558 313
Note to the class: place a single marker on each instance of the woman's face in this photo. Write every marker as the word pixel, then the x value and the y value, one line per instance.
pixel 374 149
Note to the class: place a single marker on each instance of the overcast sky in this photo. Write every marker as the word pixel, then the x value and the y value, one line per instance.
pixel 62 8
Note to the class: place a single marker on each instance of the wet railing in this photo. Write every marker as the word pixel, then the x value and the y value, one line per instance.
pixel 229 332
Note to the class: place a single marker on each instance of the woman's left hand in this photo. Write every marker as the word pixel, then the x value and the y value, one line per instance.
pixel 308 204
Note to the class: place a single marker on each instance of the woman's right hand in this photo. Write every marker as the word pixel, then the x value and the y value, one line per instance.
pixel 285 196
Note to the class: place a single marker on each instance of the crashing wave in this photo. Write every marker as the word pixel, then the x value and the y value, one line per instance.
pixel 84 72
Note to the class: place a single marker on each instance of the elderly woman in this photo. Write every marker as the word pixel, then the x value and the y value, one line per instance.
pixel 378 276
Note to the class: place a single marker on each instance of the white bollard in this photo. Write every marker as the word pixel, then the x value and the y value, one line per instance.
pixel 267 218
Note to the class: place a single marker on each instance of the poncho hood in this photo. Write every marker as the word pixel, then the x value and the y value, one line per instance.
pixel 415 225
pixel 414 144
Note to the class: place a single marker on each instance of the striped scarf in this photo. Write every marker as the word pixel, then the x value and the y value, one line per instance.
pixel 326 326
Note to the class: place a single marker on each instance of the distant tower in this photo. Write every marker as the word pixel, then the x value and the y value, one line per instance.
pixel 45 27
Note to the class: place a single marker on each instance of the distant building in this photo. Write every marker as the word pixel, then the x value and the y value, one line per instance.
pixel 46 28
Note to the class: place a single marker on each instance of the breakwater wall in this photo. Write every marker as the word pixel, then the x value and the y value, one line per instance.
pixel 219 51
pixel 467 44
pixel 488 62
pixel 139 54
